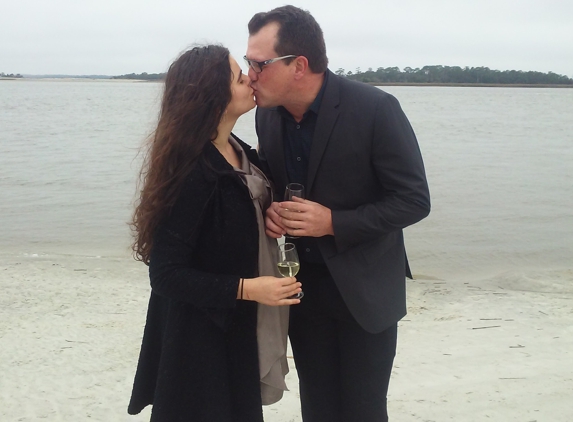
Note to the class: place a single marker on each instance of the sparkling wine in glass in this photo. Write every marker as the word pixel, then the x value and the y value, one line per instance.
pixel 289 264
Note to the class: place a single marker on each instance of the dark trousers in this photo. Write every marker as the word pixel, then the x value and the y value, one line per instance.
pixel 343 370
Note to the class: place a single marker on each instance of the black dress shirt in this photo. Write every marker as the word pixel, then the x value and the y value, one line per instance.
pixel 297 138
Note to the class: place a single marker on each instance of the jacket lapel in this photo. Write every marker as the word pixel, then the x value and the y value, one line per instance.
pixel 327 115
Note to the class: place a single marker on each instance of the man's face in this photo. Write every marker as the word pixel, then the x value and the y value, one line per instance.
pixel 272 84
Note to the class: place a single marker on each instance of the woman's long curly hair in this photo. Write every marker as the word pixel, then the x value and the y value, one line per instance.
pixel 197 92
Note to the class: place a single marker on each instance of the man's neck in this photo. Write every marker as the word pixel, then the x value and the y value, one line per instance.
pixel 304 95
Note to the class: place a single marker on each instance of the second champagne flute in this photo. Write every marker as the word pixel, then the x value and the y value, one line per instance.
pixel 288 263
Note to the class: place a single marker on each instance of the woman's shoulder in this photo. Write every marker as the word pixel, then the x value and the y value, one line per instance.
pixel 211 171
pixel 209 166
pixel 193 198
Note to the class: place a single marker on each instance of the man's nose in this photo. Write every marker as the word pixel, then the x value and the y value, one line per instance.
pixel 253 76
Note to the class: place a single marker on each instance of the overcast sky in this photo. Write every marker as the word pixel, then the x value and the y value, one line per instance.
pixel 113 37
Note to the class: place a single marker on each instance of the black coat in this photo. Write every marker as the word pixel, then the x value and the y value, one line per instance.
pixel 365 165
pixel 198 359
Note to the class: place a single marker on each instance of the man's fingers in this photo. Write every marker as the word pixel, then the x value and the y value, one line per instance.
pixel 290 223
pixel 271 225
pixel 272 234
pixel 272 222
pixel 292 215
pixel 294 225
pixel 291 206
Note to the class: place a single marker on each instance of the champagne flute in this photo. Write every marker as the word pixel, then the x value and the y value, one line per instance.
pixel 291 190
pixel 294 189
pixel 289 264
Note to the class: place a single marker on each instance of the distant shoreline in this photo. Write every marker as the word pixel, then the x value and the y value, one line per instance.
pixel 415 84
pixel 476 85
pixel 74 79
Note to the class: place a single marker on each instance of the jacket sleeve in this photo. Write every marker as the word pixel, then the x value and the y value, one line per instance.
pixel 397 163
pixel 173 269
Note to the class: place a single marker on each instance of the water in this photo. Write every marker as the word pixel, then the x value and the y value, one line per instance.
pixel 499 164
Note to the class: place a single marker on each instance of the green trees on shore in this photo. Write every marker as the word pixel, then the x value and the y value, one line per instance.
pixel 10 75
pixel 425 75
pixel 455 75
pixel 142 76
pixel 428 75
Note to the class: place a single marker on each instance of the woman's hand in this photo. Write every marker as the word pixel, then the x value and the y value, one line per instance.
pixel 272 291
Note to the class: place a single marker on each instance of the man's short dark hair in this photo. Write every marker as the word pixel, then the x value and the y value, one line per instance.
pixel 299 34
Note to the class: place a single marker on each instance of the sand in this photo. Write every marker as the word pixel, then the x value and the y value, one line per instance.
pixel 490 348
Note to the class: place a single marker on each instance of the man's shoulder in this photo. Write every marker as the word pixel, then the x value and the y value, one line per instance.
pixel 359 90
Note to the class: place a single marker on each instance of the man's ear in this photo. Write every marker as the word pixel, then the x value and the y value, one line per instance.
pixel 301 67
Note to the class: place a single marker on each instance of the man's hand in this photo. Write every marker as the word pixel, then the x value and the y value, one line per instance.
pixel 301 217
pixel 274 227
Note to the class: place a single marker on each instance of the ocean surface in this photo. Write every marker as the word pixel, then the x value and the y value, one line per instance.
pixel 499 163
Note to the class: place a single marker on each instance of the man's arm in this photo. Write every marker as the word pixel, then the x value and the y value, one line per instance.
pixel 397 161
pixel 399 168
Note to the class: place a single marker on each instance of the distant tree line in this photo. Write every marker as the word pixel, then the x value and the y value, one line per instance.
pixel 142 76
pixel 455 75
pixel 427 75
pixel 10 75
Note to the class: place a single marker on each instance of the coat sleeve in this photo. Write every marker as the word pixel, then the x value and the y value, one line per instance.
pixel 397 163
pixel 173 268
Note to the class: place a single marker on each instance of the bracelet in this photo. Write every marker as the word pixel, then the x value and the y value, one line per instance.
pixel 242 281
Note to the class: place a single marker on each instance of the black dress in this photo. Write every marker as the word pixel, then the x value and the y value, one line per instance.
pixel 198 359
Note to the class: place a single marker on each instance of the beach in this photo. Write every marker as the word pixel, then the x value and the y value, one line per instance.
pixel 489 330
pixel 497 348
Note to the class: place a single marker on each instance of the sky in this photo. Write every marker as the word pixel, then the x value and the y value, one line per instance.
pixel 105 37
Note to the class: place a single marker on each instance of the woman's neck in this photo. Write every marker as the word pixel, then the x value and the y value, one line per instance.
pixel 221 142
pixel 223 132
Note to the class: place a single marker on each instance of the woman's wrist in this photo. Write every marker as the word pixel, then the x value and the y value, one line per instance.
pixel 247 288
pixel 240 287
pixel 243 289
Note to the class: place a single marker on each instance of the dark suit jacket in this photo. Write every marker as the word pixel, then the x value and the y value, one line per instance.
pixel 199 358
pixel 365 165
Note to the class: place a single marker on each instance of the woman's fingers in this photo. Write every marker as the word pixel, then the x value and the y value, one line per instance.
pixel 286 302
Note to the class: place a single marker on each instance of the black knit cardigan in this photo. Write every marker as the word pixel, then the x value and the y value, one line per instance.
pixel 198 359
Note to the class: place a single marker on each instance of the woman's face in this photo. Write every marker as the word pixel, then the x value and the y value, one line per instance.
pixel 243 98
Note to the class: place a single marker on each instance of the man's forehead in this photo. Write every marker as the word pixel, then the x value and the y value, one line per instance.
pixel 263 42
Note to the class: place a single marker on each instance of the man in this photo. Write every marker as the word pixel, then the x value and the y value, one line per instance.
pixel 353 148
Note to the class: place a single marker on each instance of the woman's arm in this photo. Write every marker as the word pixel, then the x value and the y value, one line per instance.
pixel 173 268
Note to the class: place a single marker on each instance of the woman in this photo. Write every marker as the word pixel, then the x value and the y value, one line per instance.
pixel 197 227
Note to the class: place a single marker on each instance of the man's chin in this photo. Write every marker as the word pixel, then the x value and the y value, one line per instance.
pixel 261 102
